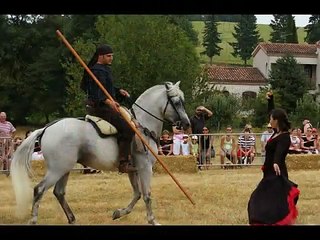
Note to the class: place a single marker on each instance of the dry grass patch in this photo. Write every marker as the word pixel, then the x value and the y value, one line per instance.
pixel 181 164
pixel 221 198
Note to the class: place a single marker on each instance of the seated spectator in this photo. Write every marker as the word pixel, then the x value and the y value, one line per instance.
pixel 306 124
pixel 264 139
pixel 185 145
pixel 165 145
pixel 246 144
pixel 16 142
pixel 206 148
pixel 295 146
pixel 228 146
pixel 309 143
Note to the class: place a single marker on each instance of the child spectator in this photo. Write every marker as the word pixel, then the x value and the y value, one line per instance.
pixel 165 145
pixel 194 146
pixel 185 145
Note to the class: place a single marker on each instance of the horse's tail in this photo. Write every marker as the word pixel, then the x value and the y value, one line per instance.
pixel 21 170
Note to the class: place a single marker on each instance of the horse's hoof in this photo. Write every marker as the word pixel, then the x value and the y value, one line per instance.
pixel 116 214
pixel 72 222
pixel 32 221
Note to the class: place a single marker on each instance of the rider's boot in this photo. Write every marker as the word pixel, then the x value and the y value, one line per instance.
pixel 125 165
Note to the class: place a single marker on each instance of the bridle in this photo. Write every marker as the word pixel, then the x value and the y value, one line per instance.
pixel 178 123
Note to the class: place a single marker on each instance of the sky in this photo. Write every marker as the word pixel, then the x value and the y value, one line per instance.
pixel 301 20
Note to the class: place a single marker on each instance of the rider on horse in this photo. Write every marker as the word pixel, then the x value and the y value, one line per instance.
pixel 99 105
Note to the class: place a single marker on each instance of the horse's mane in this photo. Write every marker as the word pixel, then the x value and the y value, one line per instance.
pixel 174 90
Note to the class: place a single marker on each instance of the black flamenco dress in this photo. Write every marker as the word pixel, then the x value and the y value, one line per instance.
pixel 274 200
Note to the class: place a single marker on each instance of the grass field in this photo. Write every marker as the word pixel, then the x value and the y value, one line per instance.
pixel 226 29
pixel 221 198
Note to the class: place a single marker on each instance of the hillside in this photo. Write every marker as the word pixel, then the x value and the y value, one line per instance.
pixel 226 29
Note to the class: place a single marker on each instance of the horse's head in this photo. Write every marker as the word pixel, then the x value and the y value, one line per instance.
pixel 174 110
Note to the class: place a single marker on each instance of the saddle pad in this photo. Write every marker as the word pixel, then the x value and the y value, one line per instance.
pixel 105 127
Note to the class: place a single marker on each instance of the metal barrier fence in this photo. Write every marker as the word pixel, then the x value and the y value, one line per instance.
pixel 7 149
pixel 214 159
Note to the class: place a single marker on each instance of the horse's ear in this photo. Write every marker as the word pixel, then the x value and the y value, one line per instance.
pixel 177 84
pixel 168 85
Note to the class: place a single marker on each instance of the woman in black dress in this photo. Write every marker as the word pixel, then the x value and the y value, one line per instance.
pixel 274 200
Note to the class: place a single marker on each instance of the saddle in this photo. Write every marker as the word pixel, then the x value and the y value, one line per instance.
pixel 103 127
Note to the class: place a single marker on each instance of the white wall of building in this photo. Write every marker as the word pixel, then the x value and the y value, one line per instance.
pixel 237 89
pixel 261 61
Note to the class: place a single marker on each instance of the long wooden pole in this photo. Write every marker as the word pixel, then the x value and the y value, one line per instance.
pixel 122 114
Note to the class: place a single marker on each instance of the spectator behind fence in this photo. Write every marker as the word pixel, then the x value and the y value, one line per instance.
pixel 264 139
pixel 309 144
pixel 185 145
pixel 206 148
pixel 6 127
pixel 194 146
pixel 305 125
pixel 228 146
pixel 295 146
pixel 177 140
pixel 198 120
pixel 165 146
pixel 246 144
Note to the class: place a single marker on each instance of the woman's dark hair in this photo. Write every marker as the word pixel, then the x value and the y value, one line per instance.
pixel 282 117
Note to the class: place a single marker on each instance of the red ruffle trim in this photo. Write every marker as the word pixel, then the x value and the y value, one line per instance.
pixel 293 212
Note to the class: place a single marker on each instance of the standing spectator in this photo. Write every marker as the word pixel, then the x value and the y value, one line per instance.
pixel 274 200
pixel 165 144
pixel 6 127
pixel 195 146
pixel 206 148
pixel 228 146
pixel 177 139
pixel 185 145
pixel 198 120
pixel 264 139
pixel 6 131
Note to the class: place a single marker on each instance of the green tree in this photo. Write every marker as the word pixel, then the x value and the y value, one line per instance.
pixel 283 29
pixel 247 37
pixel 225 108
pixel 313 29
pixel 289 79
pixel 307 108
pixel 211 37
pixel 291 30
pixel 148 50
pixel 185 24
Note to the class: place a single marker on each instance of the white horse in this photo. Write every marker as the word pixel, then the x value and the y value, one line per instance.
pixel 83 145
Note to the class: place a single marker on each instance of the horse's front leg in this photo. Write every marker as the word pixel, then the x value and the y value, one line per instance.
pixel 133 176
pixel 145 179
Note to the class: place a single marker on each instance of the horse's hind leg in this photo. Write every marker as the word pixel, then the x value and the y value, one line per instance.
pixel 133 176
pixel 59 192
pixel 47 182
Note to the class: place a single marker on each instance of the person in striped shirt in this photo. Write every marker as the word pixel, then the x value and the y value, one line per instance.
pixel 6 127
pixel 246 144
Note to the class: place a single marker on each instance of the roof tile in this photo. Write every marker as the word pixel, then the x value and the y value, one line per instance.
pixel 238 75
